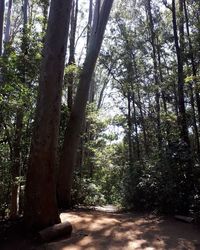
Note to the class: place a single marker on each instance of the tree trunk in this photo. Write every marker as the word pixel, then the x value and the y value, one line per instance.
pixel 136 127
pixel 156 78
pixel 143 123
pixel 90 16
pixel 187 187
pixel 194 73
pixel 19 124
pixel 179 52
pixel 73 130
pixel 129 132
pixel 8 22
pixel 16 155
pixel 2 8
pixel 40 197
pixel 70 77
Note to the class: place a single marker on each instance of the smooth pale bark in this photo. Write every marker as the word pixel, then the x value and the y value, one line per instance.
pixel 90 16
pixel 2 8
pixel 101 96
pixel 40 197
pixel 8 22
pixel 72 135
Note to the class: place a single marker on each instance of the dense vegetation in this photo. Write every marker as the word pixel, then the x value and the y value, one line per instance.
pixel 139 145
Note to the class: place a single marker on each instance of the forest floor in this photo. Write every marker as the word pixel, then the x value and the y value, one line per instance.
pixel 104 228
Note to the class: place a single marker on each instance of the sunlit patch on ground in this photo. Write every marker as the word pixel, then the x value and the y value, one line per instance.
pixel 98 230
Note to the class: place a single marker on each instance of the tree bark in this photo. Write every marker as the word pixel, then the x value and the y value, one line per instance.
pixel 72 135
pixel 40 197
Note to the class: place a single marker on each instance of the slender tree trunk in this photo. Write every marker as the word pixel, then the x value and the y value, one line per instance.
pixel 129 132
pixel 90 17
pixel 100 101
pixel 146 147
pixel 73 130
pixel 163 93
pixel 8 22
pixel 70 77
pixel 136 126
pixel 179 52
pixel 192 101
pixel 16 155
pixel 2 8
pixel 19 121
pixel 40 197
pixel 194 69
pixel 187 179
pixel 156 78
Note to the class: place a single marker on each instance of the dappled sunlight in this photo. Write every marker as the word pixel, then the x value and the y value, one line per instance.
pixel 106 231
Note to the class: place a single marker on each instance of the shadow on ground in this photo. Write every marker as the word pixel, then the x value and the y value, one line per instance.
pixel 97 230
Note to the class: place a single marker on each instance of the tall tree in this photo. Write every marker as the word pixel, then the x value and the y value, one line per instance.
pixel 179 45
pixel 155 67
pixel 70 76
pixel 2 7
pixel 40 198
pixel 72 135
pixel 16 157
pixel 8 22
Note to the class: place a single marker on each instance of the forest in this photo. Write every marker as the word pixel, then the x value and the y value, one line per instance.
pixel 99 105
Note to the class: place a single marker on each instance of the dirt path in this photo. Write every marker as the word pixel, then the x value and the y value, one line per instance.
pixel 99 230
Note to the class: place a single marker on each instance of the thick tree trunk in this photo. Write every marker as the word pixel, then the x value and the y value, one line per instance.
pixel 72 134
pixel 2 8
pixel 40 198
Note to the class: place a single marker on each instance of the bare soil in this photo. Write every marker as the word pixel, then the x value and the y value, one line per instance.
pixel 107 229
